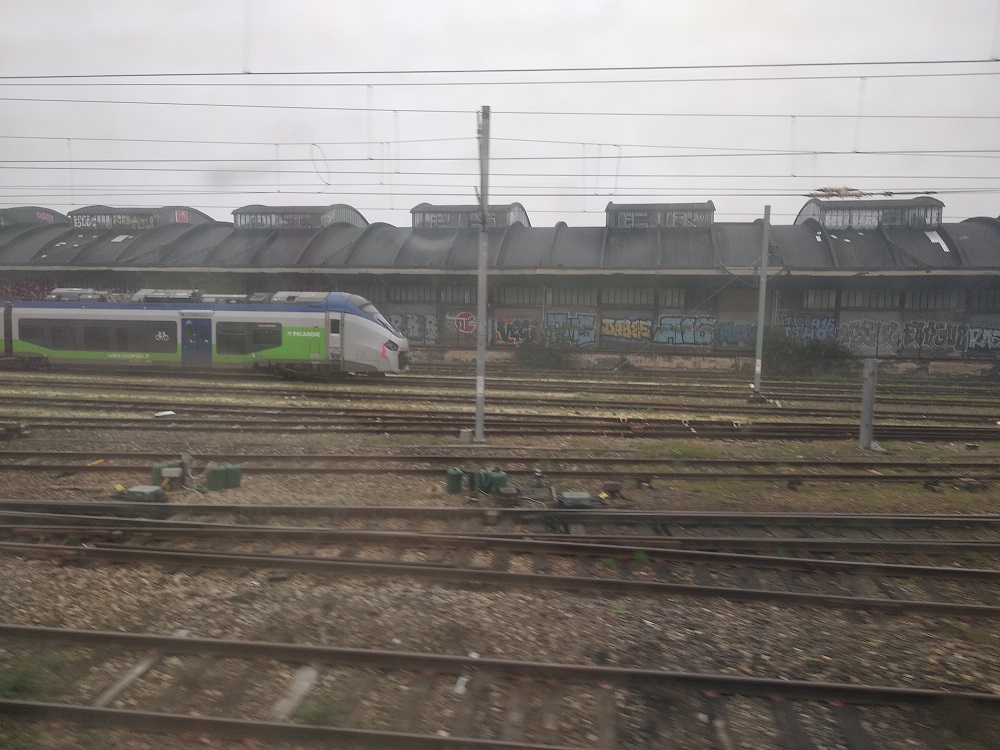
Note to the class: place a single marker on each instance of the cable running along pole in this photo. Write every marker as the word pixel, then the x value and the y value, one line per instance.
pixel 484 158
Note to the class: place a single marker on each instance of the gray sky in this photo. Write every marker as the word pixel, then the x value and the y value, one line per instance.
pixel 653 119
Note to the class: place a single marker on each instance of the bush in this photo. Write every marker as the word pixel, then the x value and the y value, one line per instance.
pixel 785 356
pixel 552 353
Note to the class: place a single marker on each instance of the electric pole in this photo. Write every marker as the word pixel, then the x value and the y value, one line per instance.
pixel 481 322
pixel 761 306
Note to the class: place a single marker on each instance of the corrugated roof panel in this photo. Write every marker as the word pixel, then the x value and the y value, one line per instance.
pixel 862 249
pixel 686 248
pixel 526 248
pixel 915 248
pixel 19 246
pixel 283 248
pixel 578 247
pixel 331 246
pixel 378 247
pixel 799 246
pixel 978 240
pixel 427 248
pixel 631 248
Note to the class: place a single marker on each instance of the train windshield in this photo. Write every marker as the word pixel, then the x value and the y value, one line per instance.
pixel 367 307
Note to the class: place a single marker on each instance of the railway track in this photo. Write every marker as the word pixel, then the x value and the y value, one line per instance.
pixel 786 406
pixel 557 465
pixel 389 423
pixel 183 684
pixel 618 564
pixel 692 385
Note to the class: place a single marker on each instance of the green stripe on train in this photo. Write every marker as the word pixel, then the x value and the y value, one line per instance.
pixel 297 344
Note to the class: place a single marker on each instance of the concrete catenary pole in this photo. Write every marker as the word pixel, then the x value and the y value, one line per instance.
pixel 761 304
pixel 484 159
pixel 869 380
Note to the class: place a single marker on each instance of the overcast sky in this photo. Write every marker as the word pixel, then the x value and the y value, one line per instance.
pixel 224 103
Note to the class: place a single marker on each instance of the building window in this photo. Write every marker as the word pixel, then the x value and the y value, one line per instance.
pixel 869 299
pixel 985 300
pixel 672 297
pixel 627 297
pixel 571 297
pixel 932 299
pixel 411 294
pixel 819 299
pixel 518 295
pixel 458 295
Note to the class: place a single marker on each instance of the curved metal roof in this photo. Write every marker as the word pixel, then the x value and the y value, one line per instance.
pixel 973 244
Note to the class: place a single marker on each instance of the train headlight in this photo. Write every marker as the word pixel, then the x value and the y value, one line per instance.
pixel 392 346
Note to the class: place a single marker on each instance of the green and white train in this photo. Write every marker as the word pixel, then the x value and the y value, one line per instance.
pixel 318 333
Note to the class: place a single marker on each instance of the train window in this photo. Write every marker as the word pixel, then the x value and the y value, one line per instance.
pixel 230 338
pixel 32 333
pixel 96 338
pixel 63 337
pixel 335 325
pixel 246 338
pixel 265 336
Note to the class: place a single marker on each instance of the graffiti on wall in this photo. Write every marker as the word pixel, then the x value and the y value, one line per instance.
pixel 912 336
pixel 737 334
pixel 576 329
pixel 419 328
pixel 512 330
pixel 685 330
pixel 626 330
pixel 984 340
pixel 809 327
pixel 464 322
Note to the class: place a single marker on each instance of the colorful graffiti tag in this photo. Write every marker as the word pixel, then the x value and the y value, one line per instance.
pixel 511 330
pixel 737 334
pixel 576 329
pixel 685 330
pixel 626 330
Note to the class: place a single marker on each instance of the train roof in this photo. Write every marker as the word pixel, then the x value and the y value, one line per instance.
pixel 193 299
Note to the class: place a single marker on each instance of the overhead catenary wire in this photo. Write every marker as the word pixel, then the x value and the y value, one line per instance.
pixel 509 112
pixel 518 71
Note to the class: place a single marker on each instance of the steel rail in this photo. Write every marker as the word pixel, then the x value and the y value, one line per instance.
pixel 659 543
pixel 971 414
pixel 493 456
pixel 611 548
pixel 482 576
pixel 500 515
pixel 514 428
pixel 645 473
pixel 458 664
pixel 912 391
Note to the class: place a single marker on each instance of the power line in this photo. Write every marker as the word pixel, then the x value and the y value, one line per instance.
pixel 517 71
pixel 532 113
pixel 722 150
pixel 484 82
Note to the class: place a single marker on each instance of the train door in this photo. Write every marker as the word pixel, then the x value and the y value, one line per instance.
pixel 196 342
pixel 335 339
